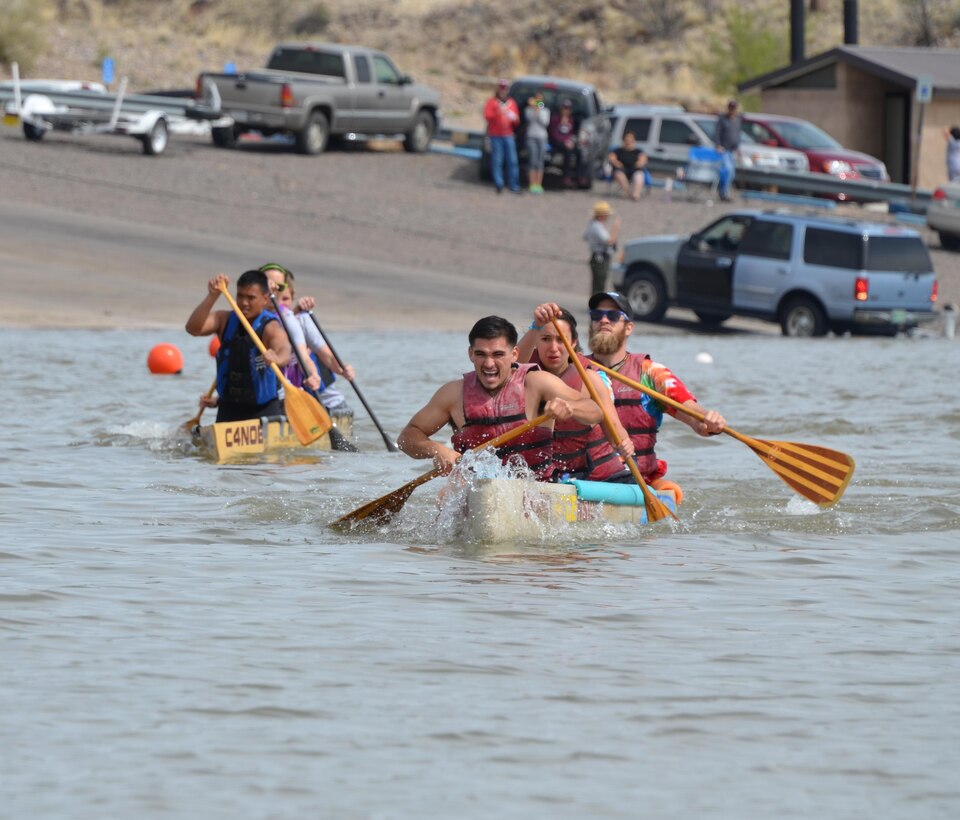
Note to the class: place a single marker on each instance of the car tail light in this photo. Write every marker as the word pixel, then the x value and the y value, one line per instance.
pixel 199 92
pixel 934 291
pixel 939 194
pixel 286 96
pixel 861 289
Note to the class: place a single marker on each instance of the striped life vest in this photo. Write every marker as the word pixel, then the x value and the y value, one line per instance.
pixel 580 449
pixel 640 415
pixel 488 416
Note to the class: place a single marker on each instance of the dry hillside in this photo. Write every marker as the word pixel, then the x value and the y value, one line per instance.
pixel 650 50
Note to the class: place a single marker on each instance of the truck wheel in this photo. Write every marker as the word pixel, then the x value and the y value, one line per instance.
pixel 803 317
pixel 418 138
pixel 155 143
pixel 224 137
pixel 589 175
pixel 646 294
pixel 32 132
pixel 313 138
pixel 948 241
pixel 713 320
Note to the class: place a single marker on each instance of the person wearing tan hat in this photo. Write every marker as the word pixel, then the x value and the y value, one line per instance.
pixel 602 240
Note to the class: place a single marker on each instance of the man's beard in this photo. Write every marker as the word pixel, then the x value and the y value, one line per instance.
pixel 607 343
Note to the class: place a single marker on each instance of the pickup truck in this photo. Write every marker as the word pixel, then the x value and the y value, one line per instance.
pixel 315 91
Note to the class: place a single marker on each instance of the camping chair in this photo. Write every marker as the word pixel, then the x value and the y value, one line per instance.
pixel 701 175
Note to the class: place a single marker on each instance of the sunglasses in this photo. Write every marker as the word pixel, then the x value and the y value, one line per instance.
pixel 613 316
pixel 281 286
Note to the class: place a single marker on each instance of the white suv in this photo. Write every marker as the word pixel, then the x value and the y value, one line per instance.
pixel 669 132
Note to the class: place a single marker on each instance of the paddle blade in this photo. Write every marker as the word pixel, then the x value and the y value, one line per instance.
pixel 655 508
pixel 306 416
pixel 817 473
pixel 381 510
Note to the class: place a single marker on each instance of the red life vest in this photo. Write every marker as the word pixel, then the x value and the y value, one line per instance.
pixel 580 449
pixel 486 417
pixel 637 420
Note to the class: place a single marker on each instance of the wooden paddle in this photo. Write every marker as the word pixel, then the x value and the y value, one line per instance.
pixel 655 508
pixel 382 509
pixel 391 446
pixel 337 439
pixel 817 473
pixel 189 425
pixel 306 415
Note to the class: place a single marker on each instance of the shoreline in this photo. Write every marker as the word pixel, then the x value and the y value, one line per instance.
pixel 102 237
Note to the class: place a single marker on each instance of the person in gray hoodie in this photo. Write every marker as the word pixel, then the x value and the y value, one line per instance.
pixel 536 117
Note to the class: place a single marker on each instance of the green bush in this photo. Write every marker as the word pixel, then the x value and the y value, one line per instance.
pixel 746 47
pixel 22 30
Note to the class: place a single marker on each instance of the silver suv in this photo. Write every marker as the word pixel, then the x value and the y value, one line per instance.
pixel 810 273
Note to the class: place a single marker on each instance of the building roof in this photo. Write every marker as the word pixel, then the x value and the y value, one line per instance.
pixel 900 66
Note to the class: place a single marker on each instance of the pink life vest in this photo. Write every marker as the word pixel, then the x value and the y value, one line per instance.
pixel 580 449
pixel 486 417
pixel 640 424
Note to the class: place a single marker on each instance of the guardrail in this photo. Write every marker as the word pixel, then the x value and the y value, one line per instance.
pixel 805 184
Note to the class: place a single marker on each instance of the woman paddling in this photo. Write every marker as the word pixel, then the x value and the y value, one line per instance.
pixel 580 451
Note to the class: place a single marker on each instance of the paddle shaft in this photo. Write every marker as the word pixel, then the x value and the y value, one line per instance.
pixel 668 401
pixel 256 339
pixel 391 503
pixel 391 446
pixel 656 509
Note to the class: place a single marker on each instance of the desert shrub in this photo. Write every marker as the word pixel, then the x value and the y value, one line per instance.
pixel 22 30
pixel 313 21
pixel 744 47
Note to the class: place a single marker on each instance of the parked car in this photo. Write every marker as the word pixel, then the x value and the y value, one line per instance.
pixel 943 215
pixel 668 132
pixel 810 273
pixel 589 113
pixel 825 154
pixel 318 90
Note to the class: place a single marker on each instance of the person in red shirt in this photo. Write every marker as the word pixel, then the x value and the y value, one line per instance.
pixel 502 116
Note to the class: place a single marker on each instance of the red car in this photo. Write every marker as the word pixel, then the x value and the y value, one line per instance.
pixel 826 155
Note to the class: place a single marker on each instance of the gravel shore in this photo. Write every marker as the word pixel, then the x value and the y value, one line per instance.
pixel 108 237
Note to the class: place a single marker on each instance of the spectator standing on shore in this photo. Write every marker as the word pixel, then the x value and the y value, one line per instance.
pixel 602 240
pixel 563 139
pixel 629 165
pixel 537 118
pixel 502 116
pixel 952 135
pixel 727 138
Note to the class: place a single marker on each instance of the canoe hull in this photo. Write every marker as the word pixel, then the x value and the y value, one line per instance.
pixel 505 509
pixel 230 440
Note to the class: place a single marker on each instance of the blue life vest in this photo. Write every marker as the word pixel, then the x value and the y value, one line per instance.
pixel 243 377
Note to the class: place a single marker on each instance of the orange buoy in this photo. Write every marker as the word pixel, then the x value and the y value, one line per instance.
pixel 214 345
pixel 165 359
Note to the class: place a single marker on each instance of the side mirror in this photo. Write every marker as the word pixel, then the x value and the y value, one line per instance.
pixel 406 79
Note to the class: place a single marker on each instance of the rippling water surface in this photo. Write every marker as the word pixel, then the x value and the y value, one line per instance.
pixel 183 639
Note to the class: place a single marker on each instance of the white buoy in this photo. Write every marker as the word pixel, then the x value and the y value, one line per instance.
pixel 704 358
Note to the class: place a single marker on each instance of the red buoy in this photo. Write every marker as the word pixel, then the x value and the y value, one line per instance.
pixel 214 345
pixel 165 359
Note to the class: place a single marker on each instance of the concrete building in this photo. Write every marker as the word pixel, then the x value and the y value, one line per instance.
pixel 866 98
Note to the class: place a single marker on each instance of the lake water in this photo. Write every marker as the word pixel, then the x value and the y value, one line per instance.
pixel 182 639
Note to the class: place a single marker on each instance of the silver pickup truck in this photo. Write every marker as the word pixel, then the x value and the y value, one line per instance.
pixel 318 91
